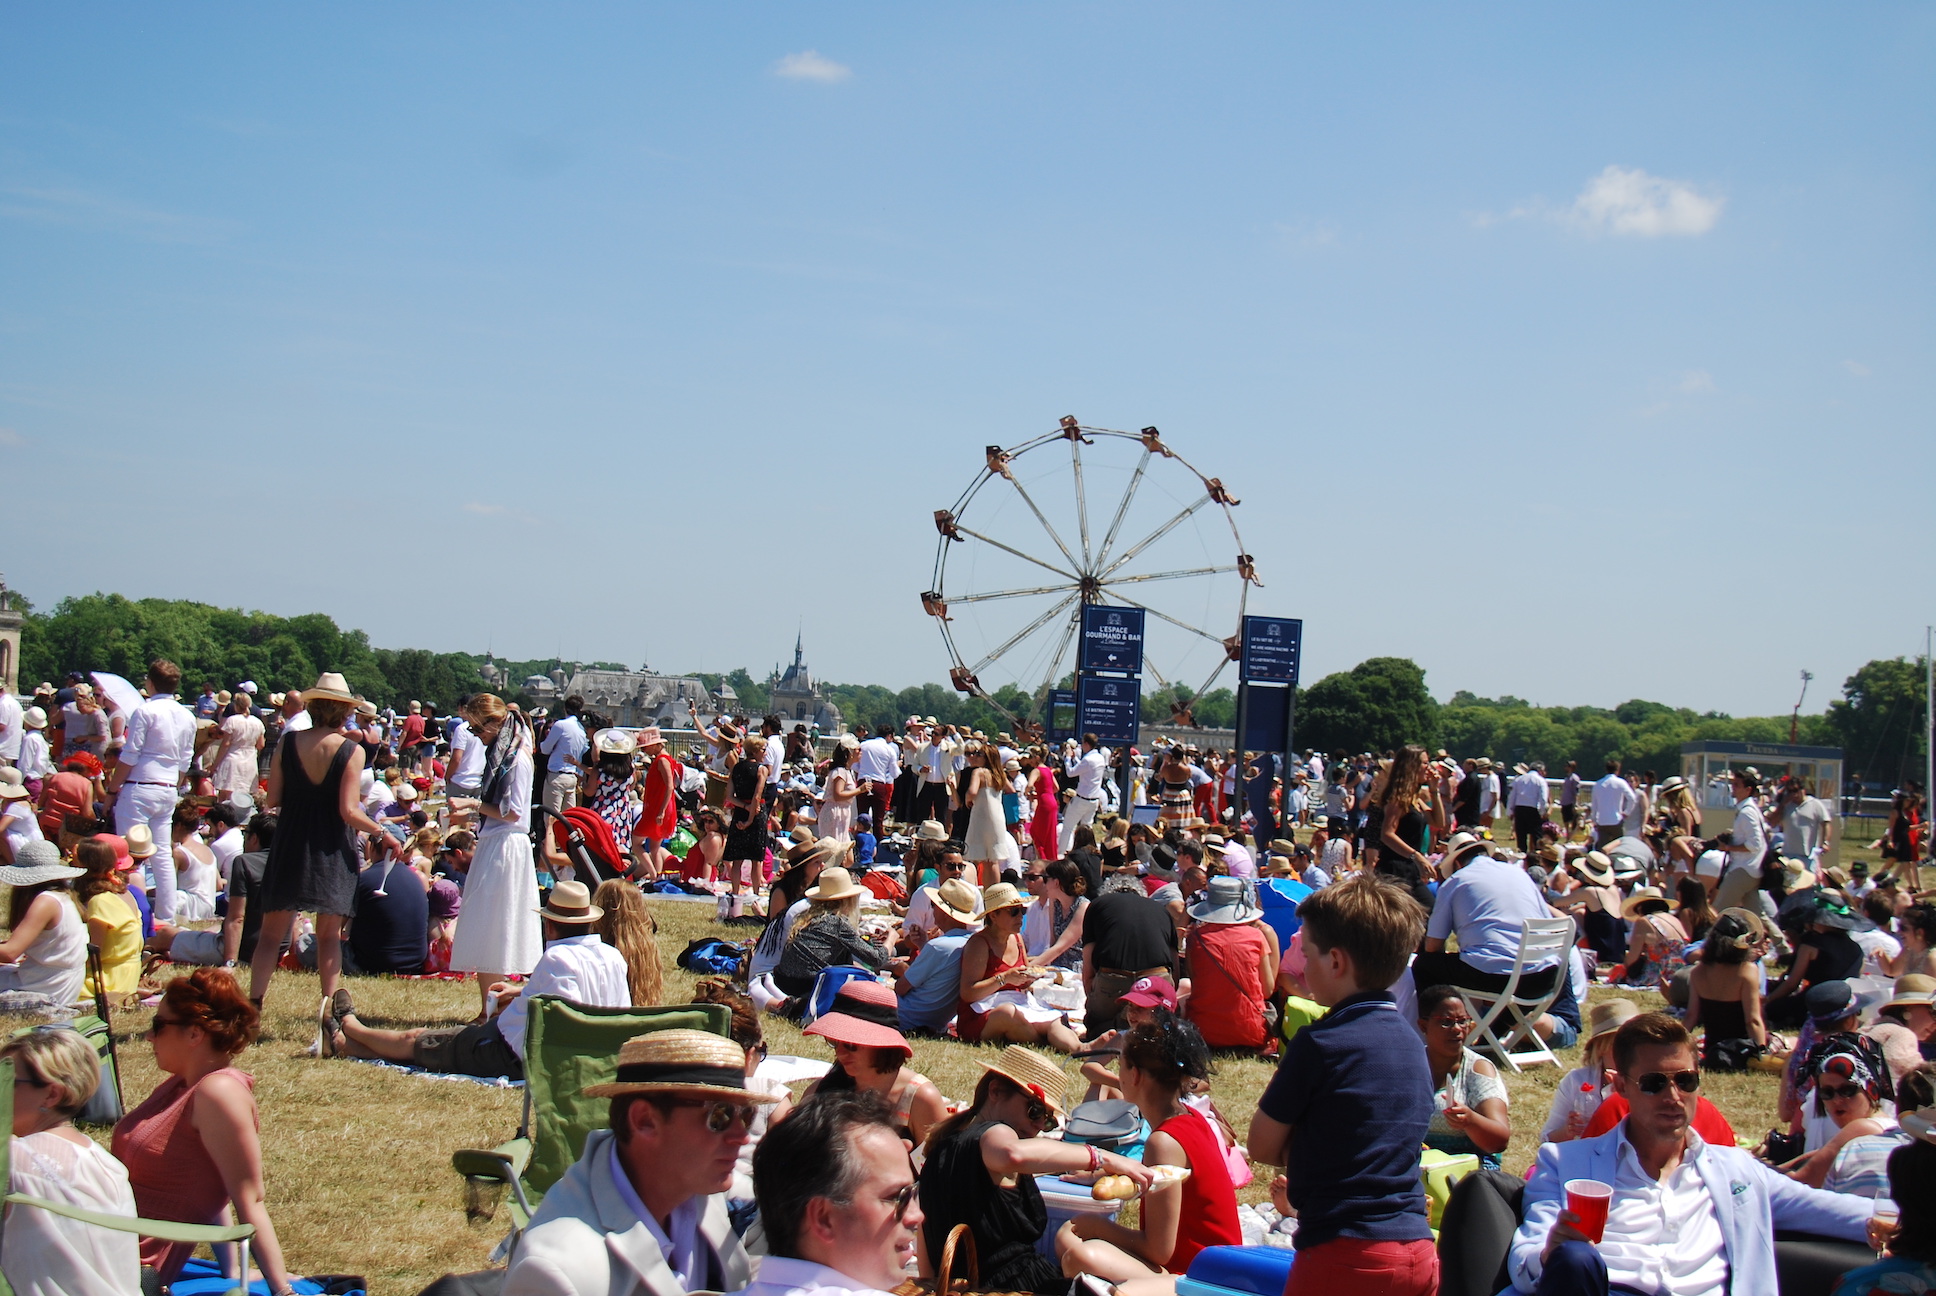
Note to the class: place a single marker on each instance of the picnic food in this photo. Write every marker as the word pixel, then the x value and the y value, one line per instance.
pixel 1113 1188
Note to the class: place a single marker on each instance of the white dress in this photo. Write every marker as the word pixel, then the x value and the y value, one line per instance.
pixel 236 772
pixel 498 929
pixel 988 835
pixel 54 966
pixel 44 1254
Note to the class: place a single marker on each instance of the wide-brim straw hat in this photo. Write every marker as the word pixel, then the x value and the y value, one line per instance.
pixel 1640 896
pixel 35 862
pixel 1595 867
pixel 1799 877
pixel 1035 1073
pixel 1226 902
pixel 954 898
pixel 1912 991
pixel 1461 845
pixel 1675 781
pixel 865 1014
pixel 141 841
pixel 329 687
pixel 681 1061
pixel 931 830
pixel 1002 895
pixel 835 883
pixel 1608 1016
pixel 571 902
pixel 650 737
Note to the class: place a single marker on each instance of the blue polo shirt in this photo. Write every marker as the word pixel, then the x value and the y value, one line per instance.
pixel 935 981
pixel 1356 1088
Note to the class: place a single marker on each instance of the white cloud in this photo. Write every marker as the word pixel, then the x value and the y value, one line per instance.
pixel 485 510
pixel 1626 202
pixel 1857 368
pixel 811 65
pixel 1695 381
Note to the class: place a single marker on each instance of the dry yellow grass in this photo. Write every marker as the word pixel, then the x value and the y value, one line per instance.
pixel 358 1158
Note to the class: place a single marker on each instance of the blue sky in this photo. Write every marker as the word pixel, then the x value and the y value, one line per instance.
pixel 1578 354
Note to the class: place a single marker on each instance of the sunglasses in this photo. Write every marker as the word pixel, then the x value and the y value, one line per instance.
pixel 160 1024
pixel 1034 877
pixel 721 1115
pixel 1841 1093
pixel 1655 1082
pixel 1040 1113
pixel 904 1199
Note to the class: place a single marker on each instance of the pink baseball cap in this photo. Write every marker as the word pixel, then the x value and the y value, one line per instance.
pixel 1152 992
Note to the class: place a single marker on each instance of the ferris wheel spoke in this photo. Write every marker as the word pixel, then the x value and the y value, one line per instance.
pixel 1171 575
pixel 1013 593
pixel 1155 535
pixel 1043 519
pixel 1011 549
pixel 1205 686
pixel 1020 635
pixel 1082 501
pixel 1115 523
pixel 1055 665
pixel 1181 625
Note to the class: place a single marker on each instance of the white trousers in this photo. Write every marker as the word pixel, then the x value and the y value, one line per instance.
pixel 1076 812
pixel 154 805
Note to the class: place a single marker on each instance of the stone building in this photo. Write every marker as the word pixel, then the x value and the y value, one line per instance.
pixel 795 695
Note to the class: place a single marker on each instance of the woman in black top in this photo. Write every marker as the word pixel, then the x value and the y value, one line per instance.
pixel 1724 994
pixel 1824 952
pixel 1405 831
pixel 981 1167
pixel 746 833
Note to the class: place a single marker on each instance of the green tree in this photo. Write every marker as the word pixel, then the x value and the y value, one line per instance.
pixel 1377 705
pixel 1879 720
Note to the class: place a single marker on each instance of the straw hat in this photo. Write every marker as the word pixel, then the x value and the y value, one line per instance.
pixel 1595 867
pixel 1002 896
pixel 681 1061
pixel 38 861
pixel 571 902
pixel 1912 991
pixel 1034 1073
pixel 865 1013
pixel 1799 876
pixel 141 841
pixel 1640 896
pixel 329 687
pixel 954 898
pixel 931 830
pixel 13 785
pixel 1608 1016
pixel 835 883
pixel 1461 845
pixel 1226 902
pixel 1283 846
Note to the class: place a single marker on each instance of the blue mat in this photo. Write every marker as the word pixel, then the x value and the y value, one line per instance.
pixel 202 1278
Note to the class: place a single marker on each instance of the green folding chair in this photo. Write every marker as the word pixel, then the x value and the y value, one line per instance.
pixel 567 1047
pixel 166 1230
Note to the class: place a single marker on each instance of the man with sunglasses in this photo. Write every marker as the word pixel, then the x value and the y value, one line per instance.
pixel 643 1211
pixel 837 1200
pixel 1687 1216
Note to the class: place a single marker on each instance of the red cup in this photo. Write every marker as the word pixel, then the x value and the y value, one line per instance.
pixel 1588 1199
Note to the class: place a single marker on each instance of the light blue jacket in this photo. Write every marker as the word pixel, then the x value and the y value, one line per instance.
pixel 1751 1201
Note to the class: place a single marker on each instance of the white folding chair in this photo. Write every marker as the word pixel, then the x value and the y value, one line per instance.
pixel 1541 940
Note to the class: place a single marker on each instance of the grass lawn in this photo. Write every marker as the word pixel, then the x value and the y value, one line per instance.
pixel 358 1158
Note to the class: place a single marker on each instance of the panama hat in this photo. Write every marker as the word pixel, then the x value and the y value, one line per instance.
pixel 141 841
pixel 954 898
pixel 1035 1073
pixel 865 1014
pixel 1608 1016
pixel 38 861
pixel 1672 782
pixel 835 883
pixel 13 786
pixel 34 718
pixel 571 902
pixel 681 1061
pixel 1226 902
pixel 329 687
pixel 614 742
pixel 1640 896
pixel 1461 845
pixel 1912 991
pixel 1002 895
pixel 931 830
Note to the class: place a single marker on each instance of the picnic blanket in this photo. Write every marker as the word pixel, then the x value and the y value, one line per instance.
pixel 489 1082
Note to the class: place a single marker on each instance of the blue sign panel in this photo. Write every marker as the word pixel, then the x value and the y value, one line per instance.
pixel 1267 712
pixel 1272 646
pixel 1062 714
pixel 1111 709
pixel 1112 638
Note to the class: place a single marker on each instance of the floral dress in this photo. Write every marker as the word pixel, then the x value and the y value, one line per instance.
pixel 617 802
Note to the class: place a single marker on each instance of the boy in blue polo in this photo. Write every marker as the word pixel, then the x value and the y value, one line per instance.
pixel 1347 1111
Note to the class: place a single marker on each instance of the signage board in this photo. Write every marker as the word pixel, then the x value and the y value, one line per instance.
pixel 1265 713
pixel 1062 714
pixel 1272 646
pixel 1112 638
pixel 1111 709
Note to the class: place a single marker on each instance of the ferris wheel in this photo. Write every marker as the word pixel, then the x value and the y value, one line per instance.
pixel 1079 516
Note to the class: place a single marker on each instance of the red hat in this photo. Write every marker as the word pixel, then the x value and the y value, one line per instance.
pixel 1152 992
pixel 123 862
pixel 865 1013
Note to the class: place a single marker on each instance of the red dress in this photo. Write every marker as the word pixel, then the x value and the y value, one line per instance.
pixel 1227 996
pixel 172 1175
pixel 1047 821
pixel 968 1022
pixel 1209 1210
pixel 661 780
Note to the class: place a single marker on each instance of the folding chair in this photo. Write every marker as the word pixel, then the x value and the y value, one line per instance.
pixel 1541 940
pixel 567 1047
pixel 166 1230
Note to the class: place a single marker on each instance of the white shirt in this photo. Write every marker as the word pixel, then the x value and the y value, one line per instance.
pixel 920 913
pixel 1088 770
pixel 466 755
pixel 1489 794
pixel 934 762
pixel 1664 1236
pixel 880 761
pixel 1529 790
pixel 773 756
pixel 225 848
pixel 784 1276
pixel 48 1255
pixel 10 725
pixel 583 969
pixel 1750 832
pixel 1876 947
pixel 297 722
pixel 160 741
pixel 35 762
pixel 1613 796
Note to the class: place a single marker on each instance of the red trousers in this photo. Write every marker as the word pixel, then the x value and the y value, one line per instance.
pixel 1365 1268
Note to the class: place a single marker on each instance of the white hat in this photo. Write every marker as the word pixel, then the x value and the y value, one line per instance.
pixel 34 718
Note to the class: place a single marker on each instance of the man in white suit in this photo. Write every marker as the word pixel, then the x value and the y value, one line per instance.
pixel 643 1211
pixel 1686 1216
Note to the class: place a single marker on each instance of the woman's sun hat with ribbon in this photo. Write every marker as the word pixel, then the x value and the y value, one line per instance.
pixel 1641 896
pixel 835 884
pixel 866 1014
pixel 36 862
pixel 1595 867
pixel 1226 902
pixel 1002 895
pixel 329 687
pixel 1036 1074
pixel 13 785
pixel 571 902
pixel 1607 1017
pixel 695 1062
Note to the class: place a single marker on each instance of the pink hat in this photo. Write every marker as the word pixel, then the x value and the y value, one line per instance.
pixel 123 861
pixel 865 1013
pixel 1152 992
pixel 649 735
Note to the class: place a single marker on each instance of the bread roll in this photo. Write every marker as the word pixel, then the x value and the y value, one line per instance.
pixel 1113 1188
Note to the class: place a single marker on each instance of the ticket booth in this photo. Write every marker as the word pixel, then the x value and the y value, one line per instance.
pixel 1709 768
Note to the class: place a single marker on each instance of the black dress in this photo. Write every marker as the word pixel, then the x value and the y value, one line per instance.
pixel 746 834
pixel 313 860
pixel 1006 1222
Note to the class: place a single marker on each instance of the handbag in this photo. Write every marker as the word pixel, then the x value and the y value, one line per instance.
pixel 960 1242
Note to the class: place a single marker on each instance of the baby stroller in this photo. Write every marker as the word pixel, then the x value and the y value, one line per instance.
pixel 590 846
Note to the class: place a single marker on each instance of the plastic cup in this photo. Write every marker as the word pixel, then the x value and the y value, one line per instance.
pixel 1588 1199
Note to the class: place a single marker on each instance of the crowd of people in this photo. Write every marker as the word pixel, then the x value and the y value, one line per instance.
pixel 1353 921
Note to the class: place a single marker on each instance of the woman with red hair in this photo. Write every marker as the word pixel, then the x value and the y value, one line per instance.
pixel 192 1148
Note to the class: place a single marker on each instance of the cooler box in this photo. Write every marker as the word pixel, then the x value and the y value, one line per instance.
pixel 1280 898
pixel 1065 1201
pixel 1238 1271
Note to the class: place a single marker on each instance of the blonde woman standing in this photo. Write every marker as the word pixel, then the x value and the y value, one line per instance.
pixel 498 933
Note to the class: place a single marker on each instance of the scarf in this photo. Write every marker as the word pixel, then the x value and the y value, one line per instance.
pixel 502 758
